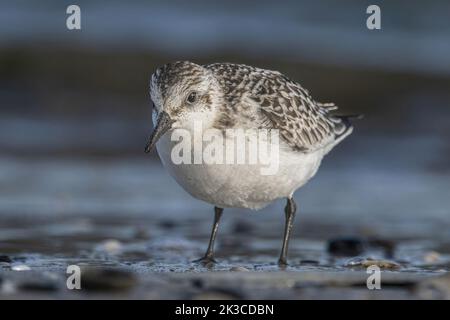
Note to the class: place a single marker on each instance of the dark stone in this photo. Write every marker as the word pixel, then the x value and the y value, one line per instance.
pixel 345 247
pixel 5 258
pixel 367 262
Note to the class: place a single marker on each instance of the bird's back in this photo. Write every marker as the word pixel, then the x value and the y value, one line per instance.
pixel 268 99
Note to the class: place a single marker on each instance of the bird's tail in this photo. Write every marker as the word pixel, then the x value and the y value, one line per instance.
pixel 346 118
pixel 343 127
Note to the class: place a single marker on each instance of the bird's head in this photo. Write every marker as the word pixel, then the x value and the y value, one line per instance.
pixel 182 93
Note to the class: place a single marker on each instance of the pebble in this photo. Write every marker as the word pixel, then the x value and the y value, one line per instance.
pixel 5 258
pixel 354 246
pixel 20 267
pixel 367 262
pixel 345 247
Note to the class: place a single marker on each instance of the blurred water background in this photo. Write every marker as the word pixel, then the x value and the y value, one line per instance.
pixel 75 115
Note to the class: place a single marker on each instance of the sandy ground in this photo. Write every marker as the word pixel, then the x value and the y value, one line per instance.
pixel 135 232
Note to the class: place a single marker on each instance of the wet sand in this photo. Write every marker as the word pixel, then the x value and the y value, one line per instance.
pixel 137 232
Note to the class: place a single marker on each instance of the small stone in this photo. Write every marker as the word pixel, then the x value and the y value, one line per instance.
pixel 367 262
pixel 345 247
pixel 238 269
pixel 5 258
pixel 20 267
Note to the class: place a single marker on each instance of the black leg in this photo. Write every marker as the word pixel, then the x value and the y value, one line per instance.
pixel 289 211
pixel 209 255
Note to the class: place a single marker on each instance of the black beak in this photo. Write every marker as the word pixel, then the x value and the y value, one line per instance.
pixel 163 123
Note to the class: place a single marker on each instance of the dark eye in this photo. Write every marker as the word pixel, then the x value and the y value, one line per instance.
pixel 192 97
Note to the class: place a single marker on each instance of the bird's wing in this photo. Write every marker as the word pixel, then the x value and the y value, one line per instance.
pixel 304 124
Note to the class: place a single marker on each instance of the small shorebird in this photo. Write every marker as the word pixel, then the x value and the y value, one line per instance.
pixel 226 96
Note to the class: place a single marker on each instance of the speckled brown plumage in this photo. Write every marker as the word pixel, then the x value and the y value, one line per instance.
pixel 273 101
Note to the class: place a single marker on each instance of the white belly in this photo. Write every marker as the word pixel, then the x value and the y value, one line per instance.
pixel 241 185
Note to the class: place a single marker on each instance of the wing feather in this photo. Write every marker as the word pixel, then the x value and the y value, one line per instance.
pixel 304 124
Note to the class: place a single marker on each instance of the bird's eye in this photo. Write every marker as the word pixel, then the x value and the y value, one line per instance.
pixel 192 97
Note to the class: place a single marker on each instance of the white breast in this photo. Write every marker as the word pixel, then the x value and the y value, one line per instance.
pixel 241 185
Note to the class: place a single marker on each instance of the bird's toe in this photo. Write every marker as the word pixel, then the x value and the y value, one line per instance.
pixel 206 261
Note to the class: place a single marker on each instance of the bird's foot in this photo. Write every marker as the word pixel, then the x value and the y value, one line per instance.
pixel 206 261
pixel 282 263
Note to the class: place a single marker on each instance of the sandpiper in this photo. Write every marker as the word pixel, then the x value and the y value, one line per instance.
pixel 224 96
